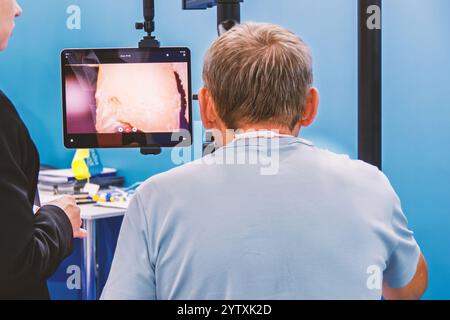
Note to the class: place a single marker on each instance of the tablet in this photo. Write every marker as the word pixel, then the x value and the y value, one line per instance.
pixel 125 98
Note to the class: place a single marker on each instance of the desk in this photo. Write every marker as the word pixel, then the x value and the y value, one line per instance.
pixel 90 213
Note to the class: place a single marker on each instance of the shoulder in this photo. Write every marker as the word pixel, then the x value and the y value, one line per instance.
pixel 14 135
pixel 8 113
pixel 353 173
pixel 7 105
pixel 156 198
pixel 360 184
pixel 343 163
pixel 178 177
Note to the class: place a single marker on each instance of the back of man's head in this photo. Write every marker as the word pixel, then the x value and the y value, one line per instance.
pixel 258 73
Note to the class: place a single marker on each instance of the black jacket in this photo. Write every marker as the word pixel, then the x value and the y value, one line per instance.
pixel 31 246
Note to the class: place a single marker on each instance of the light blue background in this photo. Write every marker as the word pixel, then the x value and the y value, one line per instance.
pixel 416 88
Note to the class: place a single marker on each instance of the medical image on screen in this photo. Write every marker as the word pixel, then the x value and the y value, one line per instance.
pixel 126 97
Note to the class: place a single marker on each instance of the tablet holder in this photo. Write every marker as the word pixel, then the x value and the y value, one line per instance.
pixel 149 41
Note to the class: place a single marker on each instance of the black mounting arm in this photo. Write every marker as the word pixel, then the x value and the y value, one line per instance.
pixel 149 41
pixel 228 14
pixel 228 11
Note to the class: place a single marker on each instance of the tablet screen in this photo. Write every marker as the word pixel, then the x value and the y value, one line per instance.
pixel 126 97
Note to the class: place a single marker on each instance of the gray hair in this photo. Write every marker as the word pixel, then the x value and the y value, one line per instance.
pixel 258 73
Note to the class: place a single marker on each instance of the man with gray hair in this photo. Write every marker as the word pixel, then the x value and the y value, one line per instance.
pixel 321 226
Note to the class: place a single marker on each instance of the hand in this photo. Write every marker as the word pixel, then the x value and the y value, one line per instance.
pixel 70 208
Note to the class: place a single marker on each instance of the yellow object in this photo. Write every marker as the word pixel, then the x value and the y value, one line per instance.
pixel 80 169
pixel 111 199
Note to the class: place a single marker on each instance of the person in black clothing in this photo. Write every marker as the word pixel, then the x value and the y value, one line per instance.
pixel 32 245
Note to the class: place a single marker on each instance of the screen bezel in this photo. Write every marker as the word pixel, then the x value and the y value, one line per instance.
pixel 126 140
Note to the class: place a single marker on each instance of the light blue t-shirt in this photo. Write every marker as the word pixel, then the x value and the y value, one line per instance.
pixel 317 225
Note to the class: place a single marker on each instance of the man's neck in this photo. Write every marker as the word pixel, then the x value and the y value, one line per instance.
pixel 269 127
pixel 228 137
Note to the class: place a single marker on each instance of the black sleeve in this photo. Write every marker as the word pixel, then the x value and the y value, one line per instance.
pixel 53 237
pixel 31 246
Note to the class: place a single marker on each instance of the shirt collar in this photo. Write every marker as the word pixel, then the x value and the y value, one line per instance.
pixel 254 138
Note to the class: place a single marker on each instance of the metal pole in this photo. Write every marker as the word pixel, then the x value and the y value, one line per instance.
pixel 149 16
pixel 90 261
pixel 369 88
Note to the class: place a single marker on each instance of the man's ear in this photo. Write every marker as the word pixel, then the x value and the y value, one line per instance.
pixel 207 109
pixel 311 107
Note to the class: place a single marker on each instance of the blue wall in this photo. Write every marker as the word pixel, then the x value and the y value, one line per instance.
pixel 416 125
pixel 416 79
